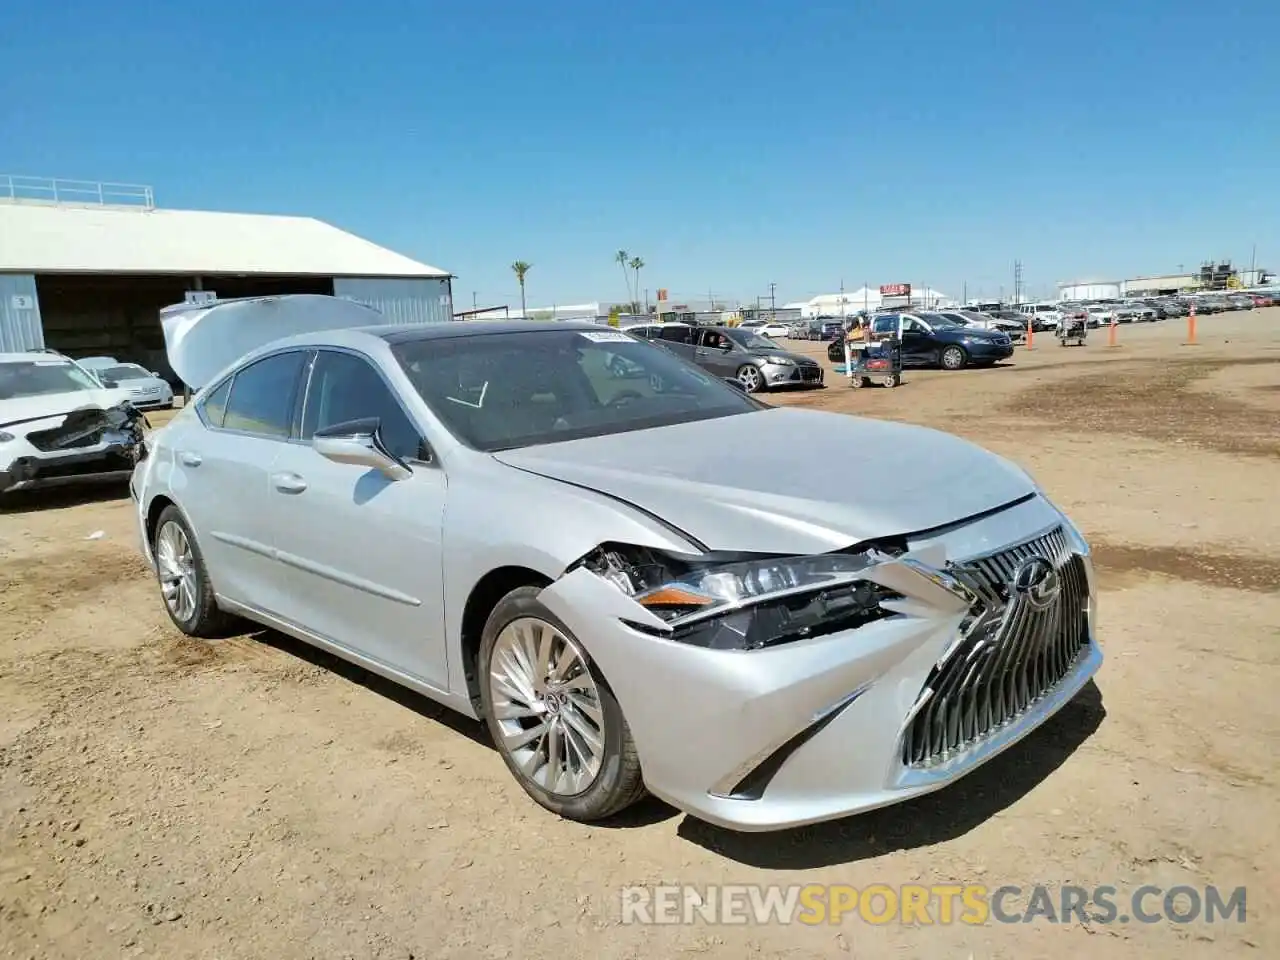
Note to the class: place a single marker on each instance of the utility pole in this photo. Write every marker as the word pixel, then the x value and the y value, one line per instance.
pixel 1253 267
pixel 842 311
pixel 1017 282
pixel 773 306
pixel 965 298
pixel 474 308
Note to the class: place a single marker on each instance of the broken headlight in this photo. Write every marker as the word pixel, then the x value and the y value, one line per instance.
pixel 735 604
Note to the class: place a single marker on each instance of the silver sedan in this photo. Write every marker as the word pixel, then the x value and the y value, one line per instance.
pixel 595 547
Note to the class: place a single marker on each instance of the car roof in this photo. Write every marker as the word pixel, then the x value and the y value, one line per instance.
pixel 30 355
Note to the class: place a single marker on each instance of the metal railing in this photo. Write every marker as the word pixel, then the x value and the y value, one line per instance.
pixel 17 188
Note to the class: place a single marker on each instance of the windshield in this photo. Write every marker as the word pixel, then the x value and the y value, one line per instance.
pixel 502 391
pixel 751 340
pixel 35 378
pixel 124 371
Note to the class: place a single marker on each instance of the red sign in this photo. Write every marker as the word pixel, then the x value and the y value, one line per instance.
pixel 895 289
pixel 662 294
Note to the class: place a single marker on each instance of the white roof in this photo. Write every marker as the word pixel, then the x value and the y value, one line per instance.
pixel 48 238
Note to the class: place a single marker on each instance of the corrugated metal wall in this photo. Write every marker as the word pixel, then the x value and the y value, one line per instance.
pixel 20 327
pixel 400 301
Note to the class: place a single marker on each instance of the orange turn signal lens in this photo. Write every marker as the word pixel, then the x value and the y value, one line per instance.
pixel 674 597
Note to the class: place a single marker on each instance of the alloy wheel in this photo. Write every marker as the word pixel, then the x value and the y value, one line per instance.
pixel 750 378
pixel 175 562
pixel 547 707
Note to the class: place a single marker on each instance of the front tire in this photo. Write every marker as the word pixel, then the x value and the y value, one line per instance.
pixel 750 377
pixel 954 358
pixel 551 714
pixel 188 594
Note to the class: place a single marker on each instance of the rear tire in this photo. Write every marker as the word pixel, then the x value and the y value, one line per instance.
pixel 572 706
pixel 185 587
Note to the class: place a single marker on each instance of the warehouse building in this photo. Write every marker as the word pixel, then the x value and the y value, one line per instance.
pixel 89 277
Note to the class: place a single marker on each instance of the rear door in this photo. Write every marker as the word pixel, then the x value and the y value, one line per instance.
pixel 222 470
pixel 678 339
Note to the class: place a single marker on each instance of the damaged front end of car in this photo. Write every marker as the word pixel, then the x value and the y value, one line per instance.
pixel 85 445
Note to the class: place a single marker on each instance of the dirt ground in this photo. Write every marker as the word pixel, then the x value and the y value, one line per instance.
pixel 251 798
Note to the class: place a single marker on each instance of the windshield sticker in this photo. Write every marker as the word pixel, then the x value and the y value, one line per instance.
pixel 605 336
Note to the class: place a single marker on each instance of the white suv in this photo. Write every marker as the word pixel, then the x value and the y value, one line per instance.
pixel 1044 316
pixel 59 425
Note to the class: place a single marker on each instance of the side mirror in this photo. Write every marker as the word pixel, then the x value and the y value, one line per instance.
pixel 108 382
pixel 359 442
pixel 733 382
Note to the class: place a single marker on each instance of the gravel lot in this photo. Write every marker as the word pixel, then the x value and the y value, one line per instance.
pixel 251 798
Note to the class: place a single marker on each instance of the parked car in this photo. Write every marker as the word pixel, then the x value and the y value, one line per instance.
pixel 932 340
pixel 1015 329
pixel 767 328
pixel 626 578
pixel 1043 316
pixel 146 388
pixel 1100 314
pixel 755 362
pixel 1133 311
pixel 59 425
pixel 824 329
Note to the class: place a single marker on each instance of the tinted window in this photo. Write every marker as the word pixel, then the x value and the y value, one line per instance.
pixel 214 406
pixel 677 334
pixel 886 324
pixel 263 394
pixel 521 389
pixel 346 387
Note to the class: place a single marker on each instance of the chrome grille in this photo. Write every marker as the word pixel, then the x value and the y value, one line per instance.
pixel 1009 654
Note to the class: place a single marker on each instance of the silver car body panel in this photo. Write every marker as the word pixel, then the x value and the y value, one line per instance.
pixel 406 565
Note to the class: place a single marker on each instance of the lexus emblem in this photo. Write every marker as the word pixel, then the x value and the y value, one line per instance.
pixel 1036 582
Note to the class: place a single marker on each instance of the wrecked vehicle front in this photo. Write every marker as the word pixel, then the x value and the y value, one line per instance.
pixel 58 426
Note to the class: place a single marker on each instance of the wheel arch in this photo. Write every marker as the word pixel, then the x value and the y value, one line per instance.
pixel 481 600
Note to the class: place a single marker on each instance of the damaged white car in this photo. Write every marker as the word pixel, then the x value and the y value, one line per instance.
pixel 59 425
pixel 596 548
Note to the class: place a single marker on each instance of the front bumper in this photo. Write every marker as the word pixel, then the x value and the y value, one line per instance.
pixel 783 375
pixel 981 350
pixel 706 721
pixel 109 464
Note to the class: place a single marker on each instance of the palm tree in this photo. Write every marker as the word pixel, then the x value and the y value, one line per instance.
pixel 636 264
pixel 521 268
pixel 621 260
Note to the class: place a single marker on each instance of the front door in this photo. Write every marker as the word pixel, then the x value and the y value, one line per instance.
pixel 918 346
pixel 361 552
pixel 715 353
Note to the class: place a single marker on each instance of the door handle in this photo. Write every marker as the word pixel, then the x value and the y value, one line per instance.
pixel 288 482
pixel 190 459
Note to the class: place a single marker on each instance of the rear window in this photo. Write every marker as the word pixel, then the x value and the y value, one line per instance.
pixel 263 395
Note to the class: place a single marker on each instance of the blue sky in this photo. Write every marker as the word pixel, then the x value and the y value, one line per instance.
pixel 728 144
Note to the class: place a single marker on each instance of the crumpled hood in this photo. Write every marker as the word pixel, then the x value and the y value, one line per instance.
pixel 785 480
pixel 28 410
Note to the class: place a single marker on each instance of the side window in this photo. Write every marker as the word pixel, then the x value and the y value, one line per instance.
pixel 712 339
pixel 676 334
pixel 886 324
pixel 346 387
pixel 214 406
pixel 263 394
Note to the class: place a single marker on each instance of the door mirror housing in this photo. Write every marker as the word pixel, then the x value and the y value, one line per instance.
pixel 359 443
